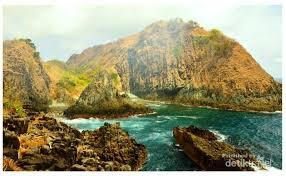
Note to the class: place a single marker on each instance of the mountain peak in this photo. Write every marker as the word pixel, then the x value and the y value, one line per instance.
pixel 181 61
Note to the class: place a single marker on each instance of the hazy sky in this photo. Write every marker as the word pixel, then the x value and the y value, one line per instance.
pixel 60 31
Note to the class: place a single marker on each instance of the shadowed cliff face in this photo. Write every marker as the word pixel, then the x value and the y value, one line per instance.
pixel 182 62
pixel 25 80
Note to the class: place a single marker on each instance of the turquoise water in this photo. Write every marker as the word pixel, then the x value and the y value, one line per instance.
pixel 261 133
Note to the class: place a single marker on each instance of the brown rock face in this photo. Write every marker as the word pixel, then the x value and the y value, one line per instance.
pixel 112 145
pixel 25 80
pixel 202 147
pixel 48 144
pixel 182 62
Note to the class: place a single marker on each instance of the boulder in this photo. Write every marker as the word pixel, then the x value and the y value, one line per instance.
pixel 17 124
pixel 10 139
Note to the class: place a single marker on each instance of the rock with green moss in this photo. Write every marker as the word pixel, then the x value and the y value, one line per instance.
pixel 103 98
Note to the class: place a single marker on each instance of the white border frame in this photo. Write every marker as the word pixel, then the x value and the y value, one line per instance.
pixel 157 2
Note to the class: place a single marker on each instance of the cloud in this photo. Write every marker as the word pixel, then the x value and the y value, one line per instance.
pixel 59 31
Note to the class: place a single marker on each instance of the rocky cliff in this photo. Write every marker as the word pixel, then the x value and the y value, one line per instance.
pixel 25 80
pixel 104 98
pixel 182 62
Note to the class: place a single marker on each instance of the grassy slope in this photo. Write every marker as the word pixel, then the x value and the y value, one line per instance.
pixel 67 84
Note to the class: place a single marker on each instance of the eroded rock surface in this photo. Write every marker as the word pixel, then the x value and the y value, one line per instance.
pixel 49 144
pixel 25 79
pixel 202 147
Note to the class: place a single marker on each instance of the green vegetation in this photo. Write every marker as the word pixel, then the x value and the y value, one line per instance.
pixel 67 84
pixel 15 107
pixel 36 55
pixel 70 81
pixel 178 51
pixel 29 42
pixel 32 45
pixel 216 43
pixel 118 107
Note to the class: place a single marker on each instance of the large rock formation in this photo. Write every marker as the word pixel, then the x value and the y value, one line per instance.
pixel 208 153
pixel 103 98
pixel 47 144
pixel 182 62
pixel 25 79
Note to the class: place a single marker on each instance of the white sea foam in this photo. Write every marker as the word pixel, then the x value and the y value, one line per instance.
pixel 190 117
pixel 75 121
pixel 275 112
pixel 220 136
pixel 179 116
pixel 154 105
pixel 272 169
pixel 268 168
pixel 162 137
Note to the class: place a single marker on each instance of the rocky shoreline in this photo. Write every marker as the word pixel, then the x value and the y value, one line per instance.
pixel 111 116
pixel 203 147
pixel 212 107
pixel 40 143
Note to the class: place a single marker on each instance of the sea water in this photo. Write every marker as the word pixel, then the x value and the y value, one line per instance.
pixel 261 133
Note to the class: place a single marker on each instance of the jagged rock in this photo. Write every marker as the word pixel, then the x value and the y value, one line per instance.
pixel 17 124
pixel 45 149
pixel 202 147
pixel 113 148
pixel 52 145
pixel 10 139
pixel 10 152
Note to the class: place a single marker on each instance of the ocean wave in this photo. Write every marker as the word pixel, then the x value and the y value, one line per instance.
pixel 221 137
pixel 156 105
pixel 267 112
pixel 177 116
pixel 75 121
pixel 162 137
pixel 190 117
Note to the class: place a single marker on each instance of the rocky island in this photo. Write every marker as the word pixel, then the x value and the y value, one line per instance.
pixel 102 98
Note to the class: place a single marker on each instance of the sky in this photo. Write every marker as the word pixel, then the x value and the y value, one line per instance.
pixel 62 30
